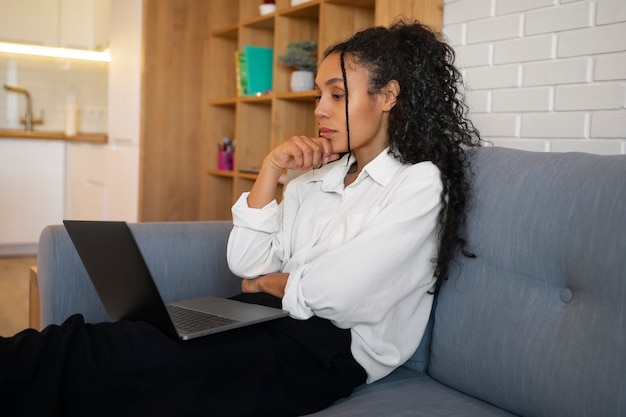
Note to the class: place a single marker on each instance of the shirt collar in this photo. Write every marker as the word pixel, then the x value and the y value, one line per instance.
pixel 381 169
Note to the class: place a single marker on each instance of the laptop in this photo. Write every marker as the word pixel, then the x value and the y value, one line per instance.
pixel 127 290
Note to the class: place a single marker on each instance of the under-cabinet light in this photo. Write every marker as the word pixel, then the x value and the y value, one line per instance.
pixel 15 48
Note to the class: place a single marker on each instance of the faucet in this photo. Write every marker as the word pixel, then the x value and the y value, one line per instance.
pixel 28 120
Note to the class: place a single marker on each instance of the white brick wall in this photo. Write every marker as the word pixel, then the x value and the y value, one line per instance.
pixel 543 75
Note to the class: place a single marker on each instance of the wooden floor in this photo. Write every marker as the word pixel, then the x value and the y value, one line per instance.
pixel 14 276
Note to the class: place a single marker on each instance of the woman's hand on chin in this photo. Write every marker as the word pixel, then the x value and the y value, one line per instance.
pixel 302 153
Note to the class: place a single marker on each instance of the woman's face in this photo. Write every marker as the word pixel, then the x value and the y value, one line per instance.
pixel 368 114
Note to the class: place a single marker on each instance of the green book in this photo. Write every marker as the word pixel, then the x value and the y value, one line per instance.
pixel 242 75
pixel 258 61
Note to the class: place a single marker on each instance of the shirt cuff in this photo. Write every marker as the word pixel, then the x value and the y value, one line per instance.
pixel 293 300
pixel 265 219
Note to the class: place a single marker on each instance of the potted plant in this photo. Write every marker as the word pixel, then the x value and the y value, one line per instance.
pixel 301 55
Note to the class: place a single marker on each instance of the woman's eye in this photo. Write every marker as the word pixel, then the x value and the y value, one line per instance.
pixel 335 96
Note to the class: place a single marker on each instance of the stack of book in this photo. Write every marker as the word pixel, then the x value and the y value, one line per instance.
pixel 253 70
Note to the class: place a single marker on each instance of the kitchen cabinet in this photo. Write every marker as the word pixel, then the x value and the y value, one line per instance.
pixel 101 182
pixel 32 184
pixel 82 24
pixel 29 21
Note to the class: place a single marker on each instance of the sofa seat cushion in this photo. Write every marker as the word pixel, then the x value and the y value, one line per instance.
pixel 411 394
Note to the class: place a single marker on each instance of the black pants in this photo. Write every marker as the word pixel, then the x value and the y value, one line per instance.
pixel 285 367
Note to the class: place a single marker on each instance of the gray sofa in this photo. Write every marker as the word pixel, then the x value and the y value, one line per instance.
pixel 535 325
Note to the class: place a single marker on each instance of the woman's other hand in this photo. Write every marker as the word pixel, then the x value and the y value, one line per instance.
pixel 273 284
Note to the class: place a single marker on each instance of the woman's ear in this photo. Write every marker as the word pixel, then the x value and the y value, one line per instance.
pixel 390 94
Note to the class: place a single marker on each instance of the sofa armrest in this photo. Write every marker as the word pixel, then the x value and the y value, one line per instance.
pixel 186 259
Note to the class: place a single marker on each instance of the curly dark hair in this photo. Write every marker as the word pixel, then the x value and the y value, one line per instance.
pixel 429 121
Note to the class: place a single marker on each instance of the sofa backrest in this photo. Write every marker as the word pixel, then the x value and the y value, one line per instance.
pixel 184 257
pixel 536 323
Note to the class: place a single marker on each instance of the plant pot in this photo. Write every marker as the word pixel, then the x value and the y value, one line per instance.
pixel 267 9
pixel 302 81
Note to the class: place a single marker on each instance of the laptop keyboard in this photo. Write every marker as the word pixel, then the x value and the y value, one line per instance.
pixel 191 321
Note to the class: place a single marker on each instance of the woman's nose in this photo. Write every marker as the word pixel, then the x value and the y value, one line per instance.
pixel 320 110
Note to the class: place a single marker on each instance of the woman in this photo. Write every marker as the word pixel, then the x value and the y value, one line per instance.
pixel 354 253
pixel 353 241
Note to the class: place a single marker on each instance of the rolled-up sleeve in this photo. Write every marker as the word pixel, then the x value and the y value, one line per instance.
pixel 254 243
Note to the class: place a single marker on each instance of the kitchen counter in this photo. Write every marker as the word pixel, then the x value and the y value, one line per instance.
pixel 41 135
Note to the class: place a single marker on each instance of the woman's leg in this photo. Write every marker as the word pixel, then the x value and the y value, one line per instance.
pixel 283 367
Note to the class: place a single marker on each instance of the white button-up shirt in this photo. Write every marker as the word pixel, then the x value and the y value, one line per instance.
pixel 362 256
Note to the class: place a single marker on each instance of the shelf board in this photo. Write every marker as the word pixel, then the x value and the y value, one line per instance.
pixel 297 96
pixel 224 102
pixel 265 22
pixel 221 173
pixel 265 98
pixel 228 32
pixel 262 99
pixel 369 4
pixel 309 10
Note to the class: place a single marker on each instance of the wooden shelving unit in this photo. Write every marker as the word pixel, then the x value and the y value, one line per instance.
pixel 260 123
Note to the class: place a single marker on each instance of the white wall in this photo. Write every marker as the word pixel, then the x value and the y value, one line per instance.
pixel 543 75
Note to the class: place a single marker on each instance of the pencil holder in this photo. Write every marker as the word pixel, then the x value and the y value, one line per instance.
pixel 224 161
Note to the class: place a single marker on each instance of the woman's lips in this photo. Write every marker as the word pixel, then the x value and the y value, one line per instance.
pixel 326 133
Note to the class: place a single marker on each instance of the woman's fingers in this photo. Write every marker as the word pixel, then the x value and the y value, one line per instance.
pixel 302 153
pixel 250 285
pixel 311 152
pixel 327 155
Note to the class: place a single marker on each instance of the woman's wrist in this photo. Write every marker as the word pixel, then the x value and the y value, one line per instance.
pixel 264 189
pixel 273 284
